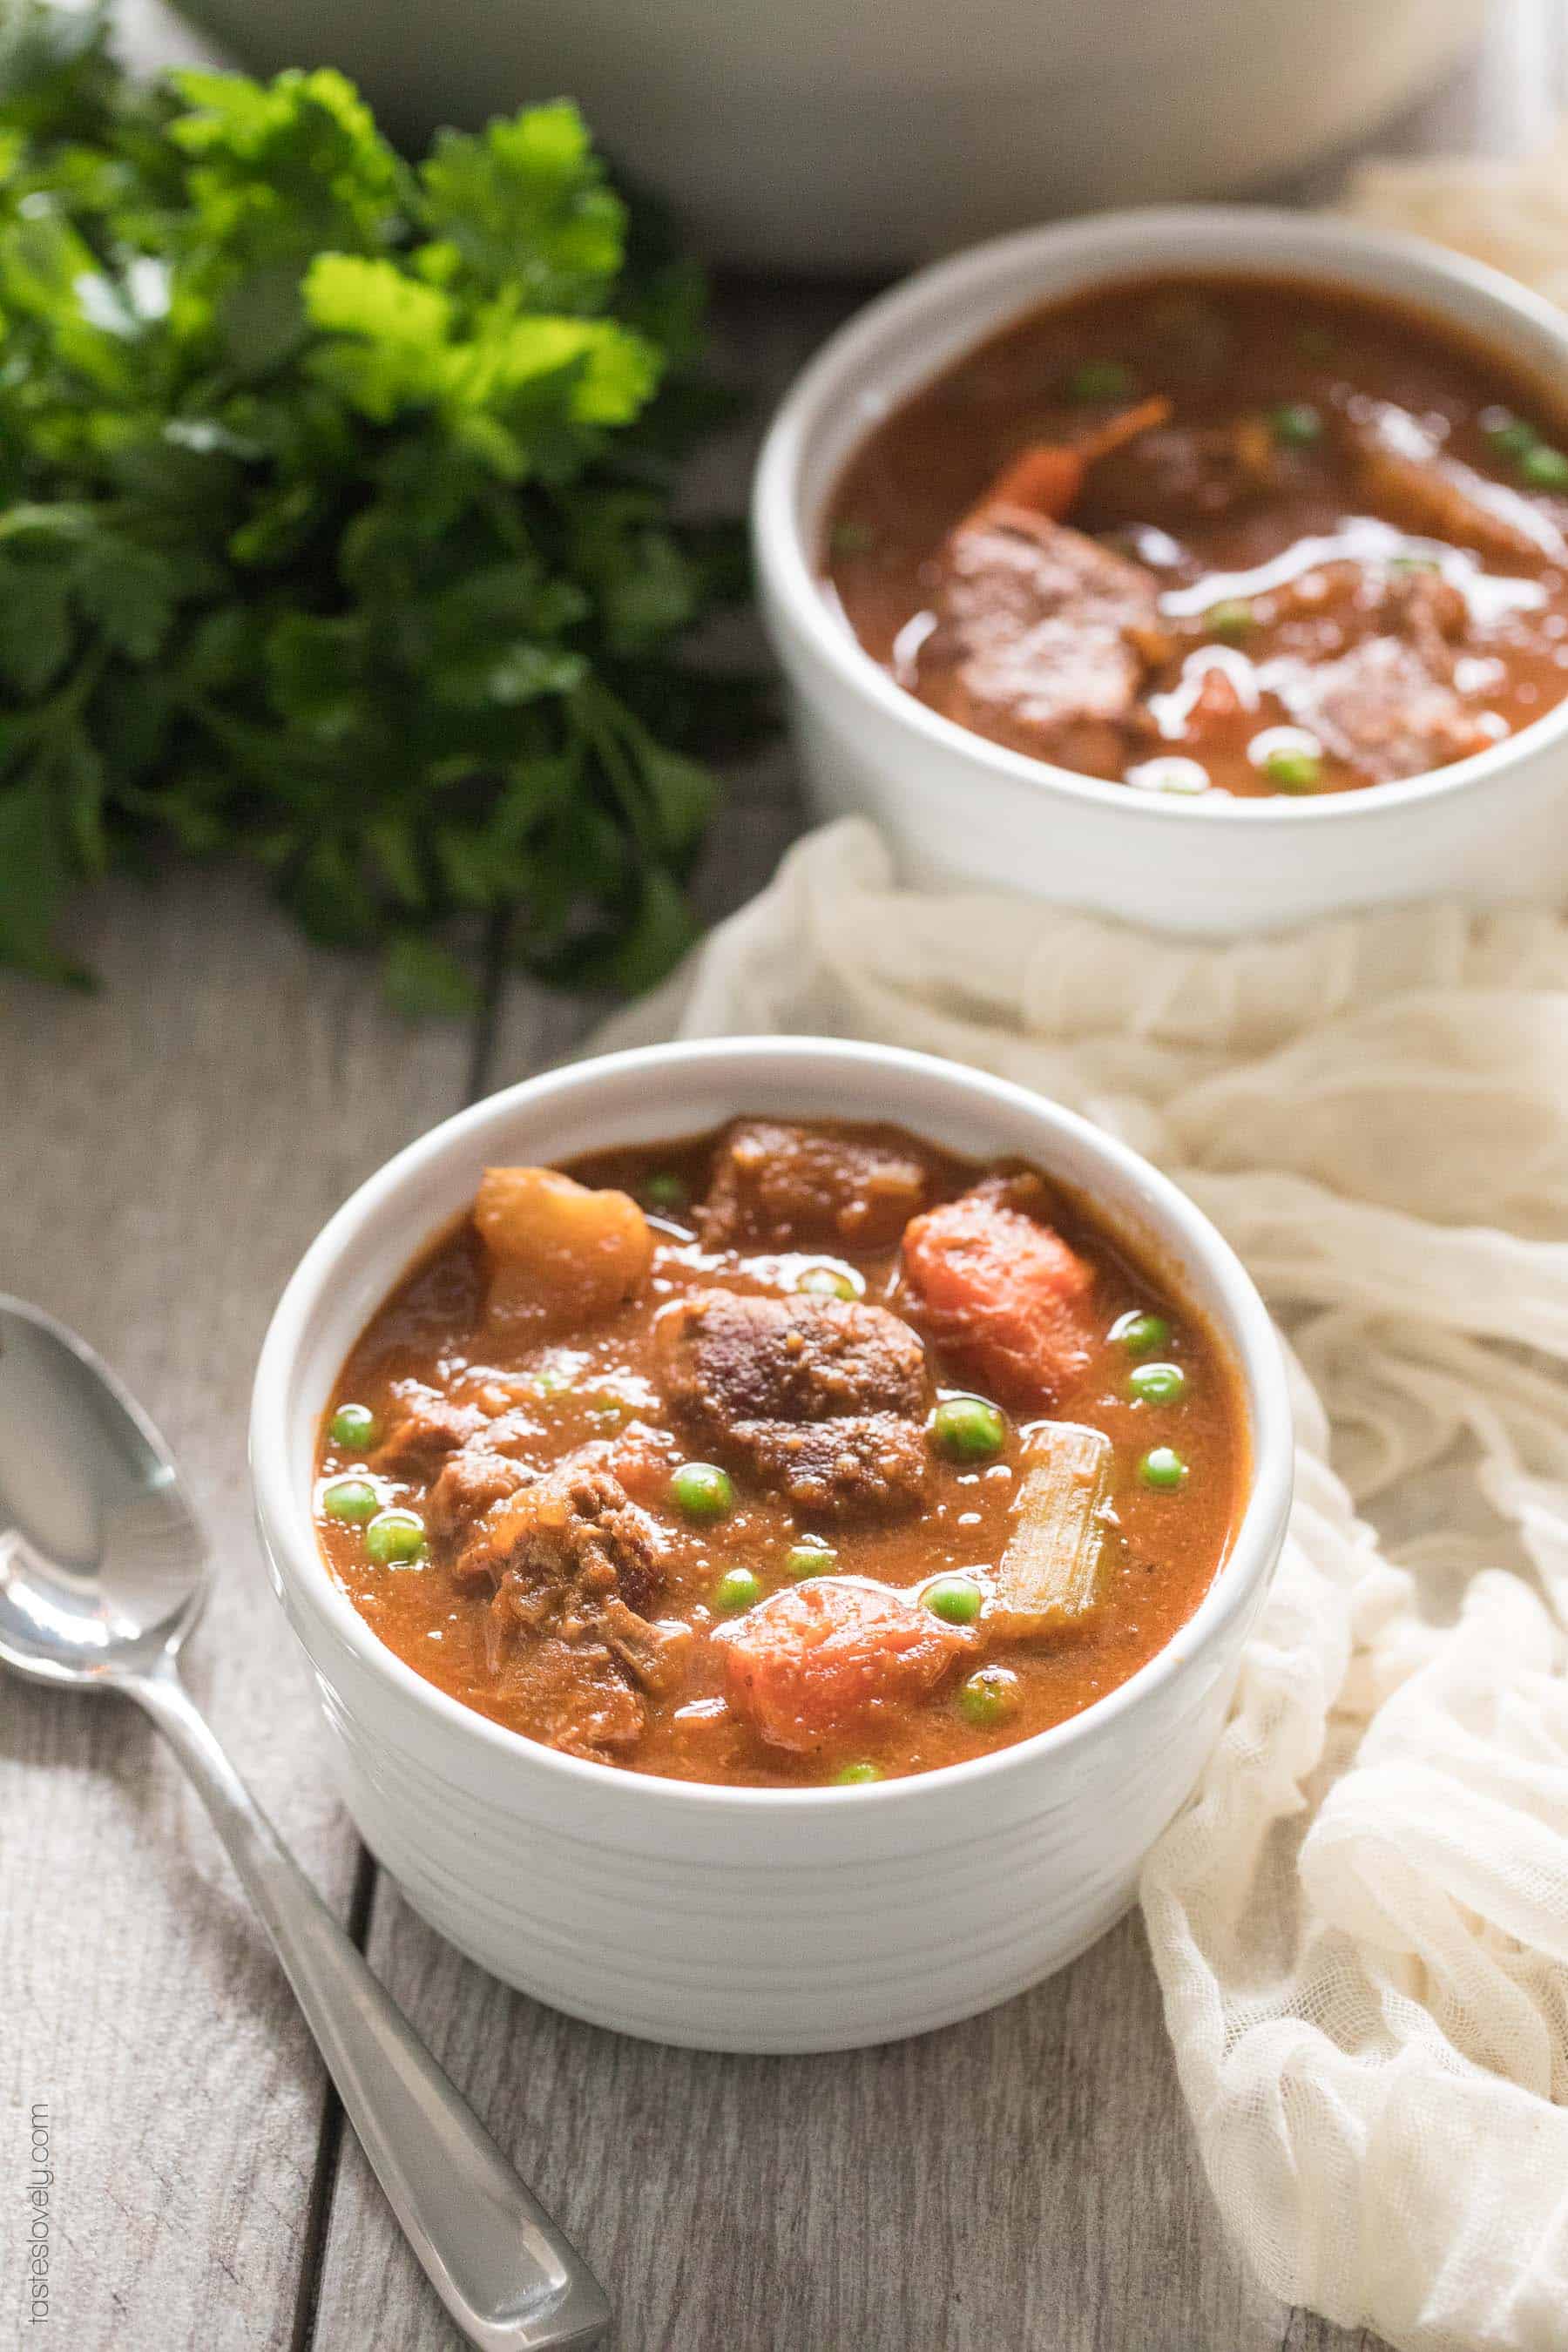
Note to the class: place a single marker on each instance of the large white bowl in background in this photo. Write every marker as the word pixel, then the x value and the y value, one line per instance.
pixel 753 1918
pixel 960 809
pixel 819 136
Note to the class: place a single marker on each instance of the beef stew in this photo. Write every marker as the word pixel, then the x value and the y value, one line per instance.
pixel 797 1455
pixel 1217 534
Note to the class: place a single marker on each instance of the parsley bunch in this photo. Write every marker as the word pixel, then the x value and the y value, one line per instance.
pixel 336 523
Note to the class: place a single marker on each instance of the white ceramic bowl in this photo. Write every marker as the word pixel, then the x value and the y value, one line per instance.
pixel 959 809
pixel 822 137
pixel 753 1918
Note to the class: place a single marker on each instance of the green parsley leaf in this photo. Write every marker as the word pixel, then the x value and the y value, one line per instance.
pixel 337 529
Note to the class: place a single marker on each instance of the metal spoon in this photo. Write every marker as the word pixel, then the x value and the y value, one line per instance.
pixel 103 1574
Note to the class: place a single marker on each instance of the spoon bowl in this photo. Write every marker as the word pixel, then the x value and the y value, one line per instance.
pixel 104 1564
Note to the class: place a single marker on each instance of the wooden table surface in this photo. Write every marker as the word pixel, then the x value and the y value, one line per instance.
pixel 170 1147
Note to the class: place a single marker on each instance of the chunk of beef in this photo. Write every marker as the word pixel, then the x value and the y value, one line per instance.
pixel 1406 477
pixel 1382 708
pixel 788 1187
pixel 1182 474
pixel 1043 638
pixel 574 1562
pixel 854 1468
pixel 820 1400
pixel 1001 1296
pixel 832 1656
pixel 571 1538
pixel 472 1481
pixel 654 1652
pixel 1427 610
pixel 734 1357
pixel 423 1428
pixel 577 1693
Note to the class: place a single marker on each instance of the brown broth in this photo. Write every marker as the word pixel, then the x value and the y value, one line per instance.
pixel 1223 350
pixel 1161 1556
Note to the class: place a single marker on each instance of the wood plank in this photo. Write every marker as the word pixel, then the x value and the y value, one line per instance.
pixel 1023 2178
pixel 169 1148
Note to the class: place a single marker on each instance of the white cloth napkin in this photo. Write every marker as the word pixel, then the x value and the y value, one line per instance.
pixel 1360 1920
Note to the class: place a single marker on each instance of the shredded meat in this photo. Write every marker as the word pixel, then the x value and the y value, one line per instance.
pixel 473 1480
pixel 572 1535
pixel 820 1400
pixel 577 1694
pixel 574 1562
pixel 427 1428
pixel 788 1187
pixel 1043 638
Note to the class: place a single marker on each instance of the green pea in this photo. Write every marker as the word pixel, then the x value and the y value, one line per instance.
pixel 1297 425
pixel 852 538
pixel 1233 616
pixel 702 1490
pixel 1414 563
pixel 989 1696
pixel 737 1588
pixel 1141 1334
pixel 350 1499
pixel 1513 437
pixel 968 1429
pixel 1164 1469
pixel 956 1600
pixel 809 1560
pixel 665 1190
pixel 393 1536
pixel 1157 1383
pixel 551 1382
pixel 1100 380
pixel 1294 771
pixel 353 1425
pixel 857 1776
pixel 1544 469
pixel 825 1282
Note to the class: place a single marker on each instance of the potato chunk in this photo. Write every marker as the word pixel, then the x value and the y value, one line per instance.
pixel 561 1253
pixel 1049 1576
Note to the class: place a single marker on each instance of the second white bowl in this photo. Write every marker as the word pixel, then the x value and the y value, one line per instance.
pixel 959 809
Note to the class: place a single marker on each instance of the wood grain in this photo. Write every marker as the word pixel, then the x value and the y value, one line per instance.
pixel 1025 2179
pixel 168 1149
pixel 1021 2179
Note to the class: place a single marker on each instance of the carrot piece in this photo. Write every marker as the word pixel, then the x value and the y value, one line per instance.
pixel 1047 479
pixel 830 1657
pixel 1001 1296
pixel 1118 430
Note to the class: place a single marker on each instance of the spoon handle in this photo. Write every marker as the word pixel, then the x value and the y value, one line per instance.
pixel 508 2277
